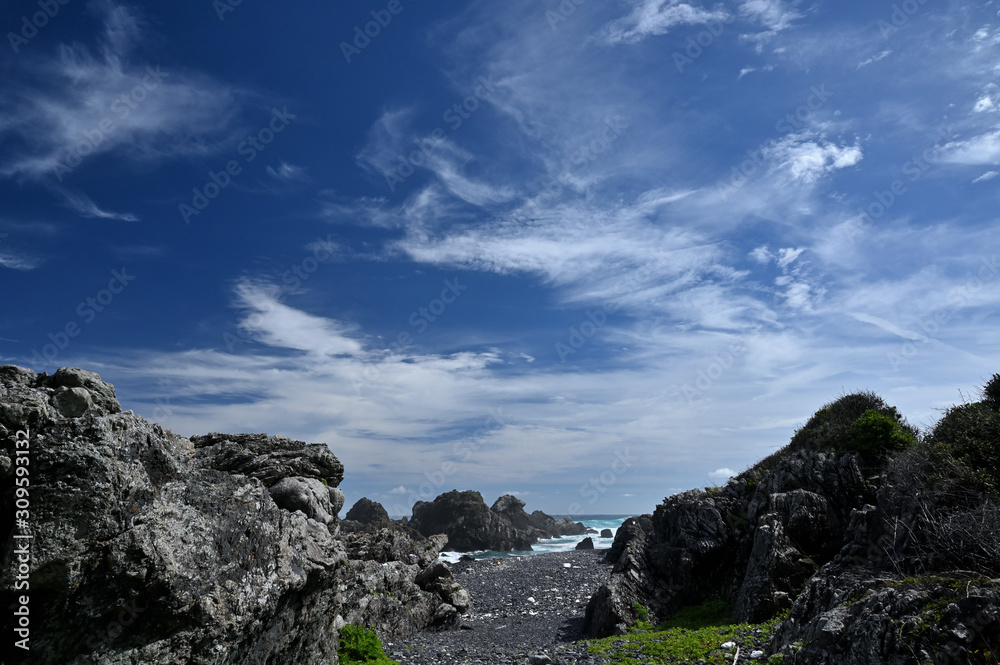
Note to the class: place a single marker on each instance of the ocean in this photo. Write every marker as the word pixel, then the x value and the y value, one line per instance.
pixel 561 544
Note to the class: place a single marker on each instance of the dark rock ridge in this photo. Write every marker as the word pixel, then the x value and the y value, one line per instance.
pixel 153 548
pixel 884 553
pixel 472 526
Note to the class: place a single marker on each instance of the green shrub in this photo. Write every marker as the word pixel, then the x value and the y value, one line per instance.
pixel 972 432
pixel 991 393
pixel 874 433
pixel 360 646
pixel 836 426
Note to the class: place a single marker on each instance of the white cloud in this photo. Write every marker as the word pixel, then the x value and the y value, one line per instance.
pixel 875 58
pixel 83 206
pixel 722 474
pixel 762 254
pixel 15 261
pixel 807 159
pixel 398 490
pixel 276 324
pixel 775 15
pixel 888 326
pixel 989 175
pixel 657 17
pixel 981 150
pixel 788 255
pixel 287 172
pixel 76 105
pixel 984 103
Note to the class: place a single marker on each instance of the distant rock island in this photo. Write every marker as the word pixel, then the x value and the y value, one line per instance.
pixel 467 522
pixel 471 526
pixel 869 542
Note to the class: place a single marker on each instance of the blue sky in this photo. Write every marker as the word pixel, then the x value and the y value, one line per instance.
pixel 592 253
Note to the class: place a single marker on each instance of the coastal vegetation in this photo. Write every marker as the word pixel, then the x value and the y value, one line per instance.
pixel 702 633
pixel 360 646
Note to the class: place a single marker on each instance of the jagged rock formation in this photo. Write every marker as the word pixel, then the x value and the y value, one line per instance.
pixel 152 548
pixel 537 525
pixel 585 544
pixel 471 526
pixel 882 549
pixel 367 515
pixel 368 512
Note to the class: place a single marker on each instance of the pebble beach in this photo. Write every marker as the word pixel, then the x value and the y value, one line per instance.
pixel 524 609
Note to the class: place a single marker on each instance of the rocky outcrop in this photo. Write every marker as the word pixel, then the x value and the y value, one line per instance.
pixel 469 524
pixel 368 513
pixel 151 548
pixel 613 609
pixel 880 548
pixel 585 544
pixel 564 526
pixel 537 525
pixel 858 615
pixel 438 578
pixel 751 544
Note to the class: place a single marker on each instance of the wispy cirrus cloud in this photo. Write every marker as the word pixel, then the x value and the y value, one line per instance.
pixel 15 261
pixel 657 17
pixel 85 207
pixel 64 109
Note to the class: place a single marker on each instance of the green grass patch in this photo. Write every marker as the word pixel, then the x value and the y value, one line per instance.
pixel 641 610
pixel 714 613
pixel 692 634
pixel 360 646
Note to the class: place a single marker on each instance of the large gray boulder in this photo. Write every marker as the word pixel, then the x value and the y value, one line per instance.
pixel 308 495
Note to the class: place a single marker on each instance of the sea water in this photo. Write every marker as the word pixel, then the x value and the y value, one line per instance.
pixel 560 544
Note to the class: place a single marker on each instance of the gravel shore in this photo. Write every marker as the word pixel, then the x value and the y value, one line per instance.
pixel 523 607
